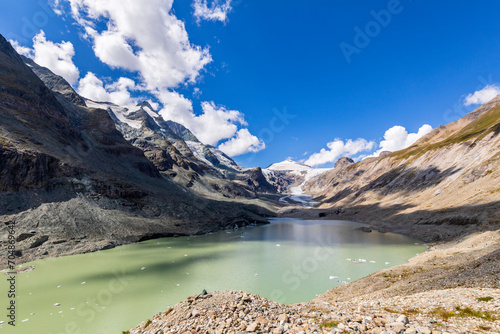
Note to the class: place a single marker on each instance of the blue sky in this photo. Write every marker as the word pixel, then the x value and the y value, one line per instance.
pixel 267 80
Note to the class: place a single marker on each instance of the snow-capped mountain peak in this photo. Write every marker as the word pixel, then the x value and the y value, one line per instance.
pixel 289 175
pixel 289 164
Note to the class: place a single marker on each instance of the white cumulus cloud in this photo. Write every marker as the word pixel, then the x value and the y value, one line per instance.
pixel 151 41
pixel 337 149
pixel 217 11
pixel 57 57
pixel 243 142
pixel 22 50
pixel 398 138
pixel 148 39
pixel 482 96
pixel 216 122
pixel 117 92
pixel 395 138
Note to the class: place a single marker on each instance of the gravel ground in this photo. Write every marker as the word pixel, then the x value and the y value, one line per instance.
pixel 239 312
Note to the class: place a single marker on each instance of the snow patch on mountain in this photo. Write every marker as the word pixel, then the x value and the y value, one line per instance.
pixel 150 111
pixel 198 150
pixel 289 165
pixel 295 168
pixel 224 159
pixel 294 172
pixel 120 112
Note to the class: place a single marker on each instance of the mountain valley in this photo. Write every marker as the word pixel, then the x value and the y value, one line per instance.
pixel 78 176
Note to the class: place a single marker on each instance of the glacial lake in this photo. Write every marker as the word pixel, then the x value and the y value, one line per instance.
pixel 289 261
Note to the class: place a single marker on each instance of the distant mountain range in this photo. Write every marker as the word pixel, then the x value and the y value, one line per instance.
pixel 78 175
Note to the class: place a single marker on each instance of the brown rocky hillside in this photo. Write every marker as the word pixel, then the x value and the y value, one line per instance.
pixel 446 184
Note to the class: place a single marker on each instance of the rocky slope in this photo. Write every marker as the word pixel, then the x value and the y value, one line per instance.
pixel 445 185
pixel 71 183
pixel 180 156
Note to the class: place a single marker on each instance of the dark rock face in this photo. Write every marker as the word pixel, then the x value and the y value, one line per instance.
pixel 344 161
pixel 70 178
pixel 20 171
pixel 39 241
pixel 55 82
pixel 256 180
pixel 182 131
pixel 207 150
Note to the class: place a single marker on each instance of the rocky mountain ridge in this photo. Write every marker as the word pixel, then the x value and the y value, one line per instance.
pixel 179 155
pixel 444 185
pixel 71 183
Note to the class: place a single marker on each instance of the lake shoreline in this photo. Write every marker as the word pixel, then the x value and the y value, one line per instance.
pixel 450 288
pixel 382 290
pixel 427 226
pixel 46 246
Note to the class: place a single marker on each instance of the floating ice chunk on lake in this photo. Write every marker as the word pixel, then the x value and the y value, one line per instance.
pixel 332 277
pixel 143 268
